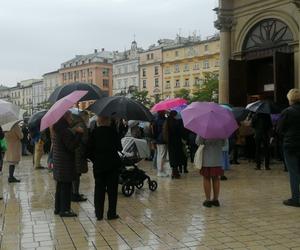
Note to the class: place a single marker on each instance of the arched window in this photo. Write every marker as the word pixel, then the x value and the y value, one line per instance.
pixel 268 33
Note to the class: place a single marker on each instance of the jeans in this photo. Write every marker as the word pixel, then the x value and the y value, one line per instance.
pixel 292 160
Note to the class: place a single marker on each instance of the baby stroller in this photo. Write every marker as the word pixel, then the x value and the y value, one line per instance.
pixel 131 177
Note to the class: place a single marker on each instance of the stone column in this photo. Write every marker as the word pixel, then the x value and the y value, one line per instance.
pixel 224 24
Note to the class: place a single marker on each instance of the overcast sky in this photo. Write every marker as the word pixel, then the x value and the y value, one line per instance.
pixel 38 35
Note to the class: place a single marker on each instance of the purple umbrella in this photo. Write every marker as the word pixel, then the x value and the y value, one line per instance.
pixel 209 120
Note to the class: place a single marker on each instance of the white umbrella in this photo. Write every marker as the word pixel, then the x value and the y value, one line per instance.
pixel 9 112
pixel 9 125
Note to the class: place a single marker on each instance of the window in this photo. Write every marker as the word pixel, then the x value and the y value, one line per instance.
pixel 152 55
pixel 206 47
pixel 217 63
pixel 156 70
pixel 176 53
pixel 168 85
pixel 167 71
pixel 125 83
pixel 186 67
pixel 197 81
pixel 119 84
pixel 105 72
pixel 206 65
pixel 133 67
pixel 156 81
pixel 148 56
pixel 144 84
pixel 133 80
pixel 119 70
pixel 177 84
pixel 144 72
pixel 177 68
pixel 105 83
pixel 196 66
pixel 125 68
pixel 90 73
pixel 186 83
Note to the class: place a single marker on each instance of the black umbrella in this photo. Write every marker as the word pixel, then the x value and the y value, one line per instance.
pixel 35 120
pixel 240 113
pixel 264 107
pixel 121 107
pixel 94 92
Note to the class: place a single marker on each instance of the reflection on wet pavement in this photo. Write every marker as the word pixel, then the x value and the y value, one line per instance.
pixel 251 215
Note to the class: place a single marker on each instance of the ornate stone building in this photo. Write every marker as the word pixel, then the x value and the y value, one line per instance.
pixel 259 49
pixel 126 70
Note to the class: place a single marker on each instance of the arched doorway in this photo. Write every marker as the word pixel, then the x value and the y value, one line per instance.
pixel 266 70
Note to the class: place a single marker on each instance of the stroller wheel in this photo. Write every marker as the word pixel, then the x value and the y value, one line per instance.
pixel 127 189
pixel 152 185
pixel 140 185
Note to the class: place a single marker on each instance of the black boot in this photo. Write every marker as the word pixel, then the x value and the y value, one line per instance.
pixel 11 178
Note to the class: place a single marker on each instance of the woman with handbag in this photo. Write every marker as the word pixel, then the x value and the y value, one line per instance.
pixel 211 168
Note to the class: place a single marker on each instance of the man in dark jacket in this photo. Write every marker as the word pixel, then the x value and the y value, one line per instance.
pixel 262 125
pixel 104 144
pixel 64 171
pixel 289 128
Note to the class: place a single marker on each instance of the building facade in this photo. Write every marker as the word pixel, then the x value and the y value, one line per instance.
pixel 51 82
pixel 126 70
pixel 186 63
pixel 4 93
pixel 38 95
pixel 259 49
pixel 94 68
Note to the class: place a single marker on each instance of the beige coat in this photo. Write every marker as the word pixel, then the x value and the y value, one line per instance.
pixel 14 146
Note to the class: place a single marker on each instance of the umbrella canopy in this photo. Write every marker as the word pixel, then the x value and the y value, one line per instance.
pixel 209 120
pixel 9 112
pixel 35 120
pixel 240 113
pixel 8 126
pixel 121 107
pixel 168 104
pixel 93 91
pixel 265 107
pixel 180 108
pixel 60 108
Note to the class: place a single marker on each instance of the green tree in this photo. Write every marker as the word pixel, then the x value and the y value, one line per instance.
pixel 142 97
pixel 183 93
pixel 208 91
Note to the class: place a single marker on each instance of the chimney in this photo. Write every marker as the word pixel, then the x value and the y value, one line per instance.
pixel 95 51
pixel 102 49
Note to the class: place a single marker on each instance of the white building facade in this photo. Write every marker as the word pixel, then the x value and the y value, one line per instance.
pixel 51 82
pixel 126 70
pixel 38 95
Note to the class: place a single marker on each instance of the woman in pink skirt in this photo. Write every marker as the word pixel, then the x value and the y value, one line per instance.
pixel 211 169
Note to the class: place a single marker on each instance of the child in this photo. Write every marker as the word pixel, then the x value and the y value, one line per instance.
pixel 211 169
pixel 226 161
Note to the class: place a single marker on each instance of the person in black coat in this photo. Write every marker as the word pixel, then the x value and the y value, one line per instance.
pixel 262 125
pixel 64 143
pixel 104 144
pixel 172 133
pixel 289 129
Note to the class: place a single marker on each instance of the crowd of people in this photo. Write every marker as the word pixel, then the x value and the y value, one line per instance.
pixel 74 140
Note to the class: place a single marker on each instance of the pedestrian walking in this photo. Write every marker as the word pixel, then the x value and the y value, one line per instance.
pixel 14 150
pixel 103 147
pixel 211 169
pixel 3 148
pixel 289 128
pixel 64 143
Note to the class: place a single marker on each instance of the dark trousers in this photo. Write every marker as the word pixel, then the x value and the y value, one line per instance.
pixel 250 147
pixel 63 196
pixel 262 142
pixel 292 160
pixel 106 182
pixel 75 185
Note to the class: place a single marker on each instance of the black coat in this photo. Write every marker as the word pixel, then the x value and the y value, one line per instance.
pixel 104 144
pixel 64 143
pixel 262 124
pixel 289 127
pixel 173 135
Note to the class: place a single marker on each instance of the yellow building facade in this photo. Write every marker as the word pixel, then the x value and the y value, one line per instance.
pixel 185 65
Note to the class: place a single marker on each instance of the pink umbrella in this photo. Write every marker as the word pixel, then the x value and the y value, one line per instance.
pixel 209 120
pixel 60 108
pixel 168 104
